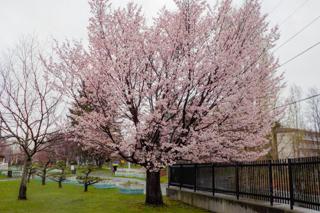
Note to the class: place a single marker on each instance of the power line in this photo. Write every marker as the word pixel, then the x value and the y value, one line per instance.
pixel 299 32
pixel 299 54
pixel 296 10
pixel 298 101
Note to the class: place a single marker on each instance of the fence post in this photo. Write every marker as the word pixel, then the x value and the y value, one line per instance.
pixel 270 182
pixel 237 181
pixel 213 183
pixel 290 183
pixel 180 176
pixel 195 178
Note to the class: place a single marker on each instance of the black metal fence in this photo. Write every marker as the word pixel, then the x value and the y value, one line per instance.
pixel 292 181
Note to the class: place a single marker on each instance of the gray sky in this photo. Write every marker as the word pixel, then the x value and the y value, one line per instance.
pixel 61 19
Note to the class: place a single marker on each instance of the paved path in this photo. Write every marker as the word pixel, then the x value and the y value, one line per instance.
pixel 119 180
pixel 9 179
pixel 142 182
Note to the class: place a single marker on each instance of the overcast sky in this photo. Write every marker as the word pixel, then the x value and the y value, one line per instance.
pixel 67 19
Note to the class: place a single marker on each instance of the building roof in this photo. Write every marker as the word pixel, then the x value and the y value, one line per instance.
pixel 294 130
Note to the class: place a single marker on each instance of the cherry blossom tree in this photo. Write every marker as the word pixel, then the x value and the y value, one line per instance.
pixel 198 84
pixel 28 105
pixel 66 149
pixel 97 152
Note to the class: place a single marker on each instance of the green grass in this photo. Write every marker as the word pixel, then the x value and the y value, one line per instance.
pixel 3 176
pixel 72 199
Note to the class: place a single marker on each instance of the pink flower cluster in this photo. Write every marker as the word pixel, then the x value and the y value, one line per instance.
pixel 197 85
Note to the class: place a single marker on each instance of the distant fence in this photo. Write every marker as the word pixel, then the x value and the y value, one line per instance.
pixel 290 181
pixel 4 166
pixel 14 173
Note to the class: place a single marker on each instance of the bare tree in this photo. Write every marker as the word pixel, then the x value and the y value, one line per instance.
pixel 295 119
pixel 60 175
pixel 313 111
pixel 86 179
pixel 28 106
pixel 294 115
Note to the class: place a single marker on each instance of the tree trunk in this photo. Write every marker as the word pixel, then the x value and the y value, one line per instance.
pixel 43 178
pixel 85 187
pixel 100 163
pixel 60 184
pixel 44 172
pixel 29 175
pixel 23 184
pixel 153 189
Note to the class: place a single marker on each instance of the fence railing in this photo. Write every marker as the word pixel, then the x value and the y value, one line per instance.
pixel 291 181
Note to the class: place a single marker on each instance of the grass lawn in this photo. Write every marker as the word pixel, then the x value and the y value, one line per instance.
pixel 3 176
pixel 69 199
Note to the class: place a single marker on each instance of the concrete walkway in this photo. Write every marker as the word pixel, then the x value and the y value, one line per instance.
pixel 9 179
pixel 120 180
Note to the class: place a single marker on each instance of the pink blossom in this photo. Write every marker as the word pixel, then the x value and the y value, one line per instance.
pixel 195 85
